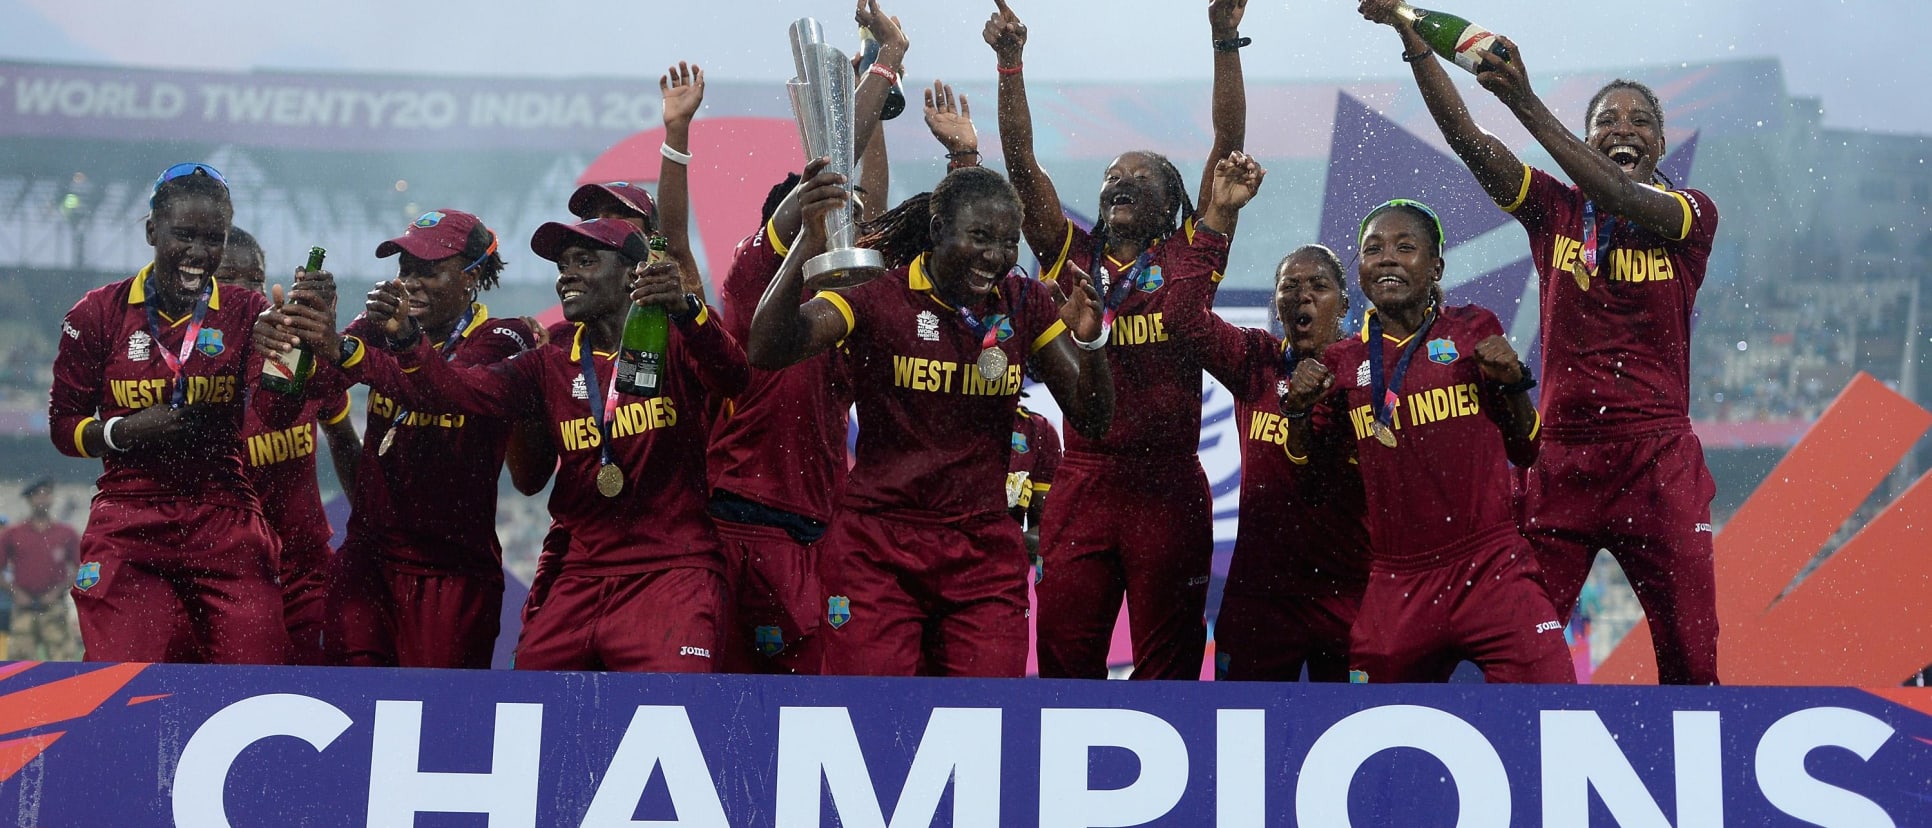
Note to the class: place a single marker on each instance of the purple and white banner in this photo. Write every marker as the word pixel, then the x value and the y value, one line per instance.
pixel 137 745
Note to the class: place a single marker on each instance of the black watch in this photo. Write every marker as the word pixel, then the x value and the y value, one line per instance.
pixel 350 347
pixel 692 307
pixel 1520 386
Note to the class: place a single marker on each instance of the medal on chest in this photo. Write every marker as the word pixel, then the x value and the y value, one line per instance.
pixel 610 480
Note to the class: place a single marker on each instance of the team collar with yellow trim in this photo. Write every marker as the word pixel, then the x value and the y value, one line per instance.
pixel 1435 309
pixel 138 293
pixel 479 314
pixel 917 280
pixel 577 345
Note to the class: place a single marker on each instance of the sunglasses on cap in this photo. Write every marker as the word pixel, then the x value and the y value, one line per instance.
pixel 1392 203
pixel 185 168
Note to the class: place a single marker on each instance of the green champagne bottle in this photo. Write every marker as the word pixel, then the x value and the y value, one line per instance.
pixel 647 333
pixel 288 372
pixel 1452 37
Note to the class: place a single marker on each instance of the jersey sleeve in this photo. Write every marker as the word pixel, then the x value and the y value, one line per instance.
pixel 753 264
pixel 80 369
pixel 1040 316
pixel 494 341
pixel 1522 451
pixel 711 354
pixel 1536 202
pixel 1076 246
pixel 1237 357
pixel 1693 246
pixel 423 380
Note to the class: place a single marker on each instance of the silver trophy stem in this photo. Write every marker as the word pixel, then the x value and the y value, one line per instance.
pixel 822 97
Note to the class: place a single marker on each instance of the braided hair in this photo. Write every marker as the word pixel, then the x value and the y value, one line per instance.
pixel 1650 97
pixel 904 232
pixel 1173 188
pixel 489 263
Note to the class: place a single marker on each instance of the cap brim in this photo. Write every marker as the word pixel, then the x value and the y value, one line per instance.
pixel 586 201
pixel 419 246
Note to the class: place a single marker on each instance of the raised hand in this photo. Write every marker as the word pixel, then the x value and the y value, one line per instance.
pixel 1081 310
pixel 683 88
pixel 1498 360
pixel 822 192
pixel 892 38
pixel 1306 386
pixel 1236 180
pixel 1507 79
pixel 387 306
pixel 1224 17
pixel 950 118
pixel 1379 11
pixel 1006 34
pixel 660 284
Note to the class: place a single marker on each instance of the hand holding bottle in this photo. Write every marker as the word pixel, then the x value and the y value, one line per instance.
pixel 1506 79
pixel 660 285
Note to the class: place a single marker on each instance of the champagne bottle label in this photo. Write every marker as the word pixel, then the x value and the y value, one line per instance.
pixel 639 372
pixel 1473 40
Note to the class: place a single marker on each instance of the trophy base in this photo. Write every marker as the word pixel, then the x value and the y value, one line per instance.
pixel 843 268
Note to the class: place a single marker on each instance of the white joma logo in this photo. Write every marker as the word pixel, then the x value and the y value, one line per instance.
pixel 1548 626
pixel 700 652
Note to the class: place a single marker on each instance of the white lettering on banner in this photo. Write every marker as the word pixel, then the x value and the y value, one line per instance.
pixel 659 737
pixel 1579 753
pixel 1789 788
pixel 1240 768
pixel 81 98
pixel 961 743
pixel 1067 737
pixel 399 788
pixel 1482 785
pixel 201 777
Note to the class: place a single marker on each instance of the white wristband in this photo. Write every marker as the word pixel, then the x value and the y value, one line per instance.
pixel 107 434
pixel 682 159
pixel 1099 342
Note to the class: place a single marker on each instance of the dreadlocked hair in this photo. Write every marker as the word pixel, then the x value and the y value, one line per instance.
pixel 194 184
pixel 904 232
pixel 490 269
pixel 1650 97
pixel 776 196
pixel 1173 187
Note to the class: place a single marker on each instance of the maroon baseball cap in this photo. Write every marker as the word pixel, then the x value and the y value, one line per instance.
pixel 611 234
pixel 437 234
pixel 592 198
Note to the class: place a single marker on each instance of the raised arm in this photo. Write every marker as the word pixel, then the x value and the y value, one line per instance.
pixel 784 332
pixel 1078 376
pixel 868 102
pixel 1487 157
pixel 1230 106
pixel 683 89
pixel 1600 179
pixel 875 178
pixel 1236 180
pixel 1043 222
pixel 950 119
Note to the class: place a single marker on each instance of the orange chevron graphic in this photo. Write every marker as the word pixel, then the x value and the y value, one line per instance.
pixel 57 701
pixel 1851 621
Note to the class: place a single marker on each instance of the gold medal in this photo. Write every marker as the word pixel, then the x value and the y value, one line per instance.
pixel 610 480
pixel 1383 433
pixel 992 364
pixel 1582 275
pixel 388 439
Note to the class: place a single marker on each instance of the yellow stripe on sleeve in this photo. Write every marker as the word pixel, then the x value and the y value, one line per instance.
pixel 704 315
pixel 361 348
pixel 1292 457
pixel 1522 193
pixel 1538 428
pixel 1066 247
pixel 1684 201
pixel 339 416
pixel 777 244
pixel 1058 327
pixel 845 310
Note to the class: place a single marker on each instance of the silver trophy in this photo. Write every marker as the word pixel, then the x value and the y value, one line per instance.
pixel 822 97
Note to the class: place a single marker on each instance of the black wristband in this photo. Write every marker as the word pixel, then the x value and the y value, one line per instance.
pixel 1298 415
pixel 1520 386
pixel 1409 58
pixel 962 153
pixel 1232 44
pixel 404 344
pixel 691 309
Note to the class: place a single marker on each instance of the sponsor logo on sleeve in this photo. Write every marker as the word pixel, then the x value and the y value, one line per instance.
pixel 68 328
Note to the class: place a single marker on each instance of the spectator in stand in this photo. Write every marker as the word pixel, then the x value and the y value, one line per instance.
pixel 41 555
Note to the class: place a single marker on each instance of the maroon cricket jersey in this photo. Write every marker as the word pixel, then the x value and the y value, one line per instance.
pixel 1447 479
pixel 41 558
pixel 933 433
pixel 1302 528
pixel 109 365
pixel 1156 367
pixel 430 501
pixel 1034 461
pixel 783 443
pixel 1616 357
pixel 281 466
pixel 658 520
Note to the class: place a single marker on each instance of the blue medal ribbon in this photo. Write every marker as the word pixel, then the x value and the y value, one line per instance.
pixel 607 414
pixel 1383 395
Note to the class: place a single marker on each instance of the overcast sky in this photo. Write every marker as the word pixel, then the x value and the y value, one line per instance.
pixel 1866 59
